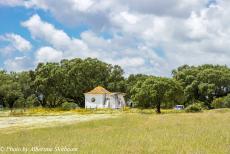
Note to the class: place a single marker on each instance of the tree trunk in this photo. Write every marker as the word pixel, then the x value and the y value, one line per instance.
pixel 158 108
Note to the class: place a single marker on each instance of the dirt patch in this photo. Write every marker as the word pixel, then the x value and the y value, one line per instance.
pixel 29 122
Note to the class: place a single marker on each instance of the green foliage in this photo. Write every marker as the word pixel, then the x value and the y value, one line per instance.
pixel 56 83
pixel 25 80
pixel 131 81
pixel 203 83
pixel 19 103
pixel 32 101
pixel 116 79
pixel 202 104
pixel 29 102
pixel 68 106
pixel 10 89
pixel 70 79
pixel 222 102
pixel 218 103
pixel 196 107
pixel 227 101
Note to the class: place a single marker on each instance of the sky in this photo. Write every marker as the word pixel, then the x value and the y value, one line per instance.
pixel 147 36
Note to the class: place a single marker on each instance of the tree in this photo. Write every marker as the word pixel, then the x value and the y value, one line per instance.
pixel 10 90
pixel 203 83
pixel 70 79
pixel 154 91
pixel 3 79
pixel 81 76
pixel 116 80
pixel 49 83
pixel 132 80
pixel 26 83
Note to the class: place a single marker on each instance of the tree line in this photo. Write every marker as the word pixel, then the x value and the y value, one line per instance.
pixel 52 84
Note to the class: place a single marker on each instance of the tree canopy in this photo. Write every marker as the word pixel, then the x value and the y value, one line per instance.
pixel 203 83
pixel 70 79
pixel 154 91
pixel 52 84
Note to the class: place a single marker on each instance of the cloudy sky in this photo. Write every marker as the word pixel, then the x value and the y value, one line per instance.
pixel 147 36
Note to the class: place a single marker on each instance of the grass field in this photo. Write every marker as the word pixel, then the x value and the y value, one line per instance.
pixel 56 111
pixel 197 133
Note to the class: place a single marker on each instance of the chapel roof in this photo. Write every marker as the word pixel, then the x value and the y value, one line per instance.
pixel 99 90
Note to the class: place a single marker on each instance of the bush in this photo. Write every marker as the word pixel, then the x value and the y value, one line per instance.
pixel 68 106
pixel 19 103
pixel 227 104
pixel 29 102
pixel 222 102
pixel 196 107
pixel 202 104
pixel 32 101
pixel 218 103
pixel 227 101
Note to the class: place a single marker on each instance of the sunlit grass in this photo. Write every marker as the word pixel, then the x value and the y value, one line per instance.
pixel 192 133
pixel 40 111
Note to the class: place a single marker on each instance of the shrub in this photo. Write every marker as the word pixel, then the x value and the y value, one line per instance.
pixel 196 107
pixel 227 101
pixel 227 104
pixel 32 101
pixel 202 104
pixel 19 103
pixel 218 103
pixel 68 106
pixel 222 102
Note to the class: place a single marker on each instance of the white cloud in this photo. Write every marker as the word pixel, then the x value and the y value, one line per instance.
pixel 57 38
pixel 117 50
pixel 83 5
pixel 97 12
pixel 16 42
pixel 175 8
pixel 48 54
pixel 46 31
pixel 127 62
pixel 78 12
pixel 18 64
pixel 191 32
pixel 11 2
pixel 131 19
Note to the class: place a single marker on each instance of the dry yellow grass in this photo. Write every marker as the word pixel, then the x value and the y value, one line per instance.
pixel 196 133
pixel 57 111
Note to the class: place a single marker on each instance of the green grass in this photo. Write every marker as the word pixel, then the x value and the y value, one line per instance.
pixel 186 133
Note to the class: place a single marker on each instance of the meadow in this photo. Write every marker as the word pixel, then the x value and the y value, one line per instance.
pixel 141 132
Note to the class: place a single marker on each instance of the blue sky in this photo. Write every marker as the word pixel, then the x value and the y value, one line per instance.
pixel 151 37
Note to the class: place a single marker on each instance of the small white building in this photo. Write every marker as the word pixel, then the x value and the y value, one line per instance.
pixel 99 97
